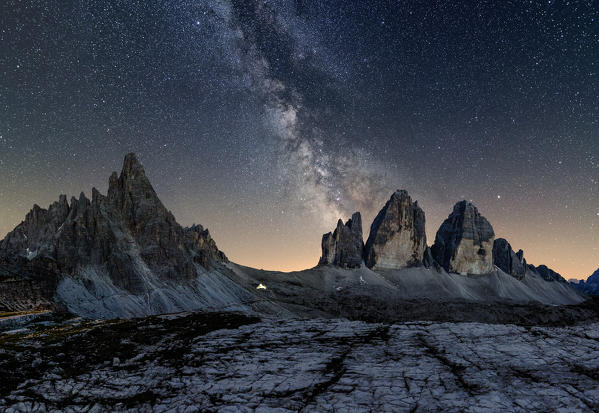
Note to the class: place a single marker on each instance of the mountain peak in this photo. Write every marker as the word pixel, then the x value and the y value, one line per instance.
pixel 132 185
pixel 462 206
pixel 397 236
pixel 400 193
pixel 130 233
pixel 464 242
pixel 344 246
pixel 132 167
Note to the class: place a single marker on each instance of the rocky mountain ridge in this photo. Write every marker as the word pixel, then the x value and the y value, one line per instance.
pixel 590 285
pixel 123 254
pixel 109 231
pixel 397 239
pixel 464 244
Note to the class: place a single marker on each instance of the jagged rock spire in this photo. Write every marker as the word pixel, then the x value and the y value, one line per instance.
pixel 344 247
pixel 132 190
pixel 507 260
pixel 128 232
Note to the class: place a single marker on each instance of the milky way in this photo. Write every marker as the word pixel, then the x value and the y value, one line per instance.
pixel 266 121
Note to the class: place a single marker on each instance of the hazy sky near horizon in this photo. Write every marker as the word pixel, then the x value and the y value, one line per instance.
pixel 266 121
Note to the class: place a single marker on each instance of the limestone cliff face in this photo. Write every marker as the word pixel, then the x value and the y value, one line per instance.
pixel 397 236
pixel 507 260
pixel 464 242
pixel 129 232
pixel 344 247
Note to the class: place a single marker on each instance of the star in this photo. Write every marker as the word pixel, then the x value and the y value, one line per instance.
pixel 316 110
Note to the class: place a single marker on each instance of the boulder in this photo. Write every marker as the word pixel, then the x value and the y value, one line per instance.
pixel 507 260
pixel 464 242
pixel 397 236
pixel 344 247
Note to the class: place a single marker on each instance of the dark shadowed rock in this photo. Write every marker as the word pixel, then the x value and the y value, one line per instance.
pixel 161 239
pixel 202 247
pixel 129 233
pixel 547 273
pixel 344 247
pixel 27 284
pixel 397 236
pixel 590 285
pixel 507 260
pixel 464 242
pixel 429 261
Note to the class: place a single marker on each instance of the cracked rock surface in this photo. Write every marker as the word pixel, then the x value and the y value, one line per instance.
pixel 231 362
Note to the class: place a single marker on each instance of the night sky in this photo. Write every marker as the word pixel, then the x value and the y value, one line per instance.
pixel 267 121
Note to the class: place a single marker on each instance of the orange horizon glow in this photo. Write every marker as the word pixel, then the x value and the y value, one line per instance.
pixel 263 245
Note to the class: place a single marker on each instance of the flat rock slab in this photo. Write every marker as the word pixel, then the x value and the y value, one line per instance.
pixel 237 363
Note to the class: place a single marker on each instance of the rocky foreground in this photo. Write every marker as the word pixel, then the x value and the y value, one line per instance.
pixel 232 362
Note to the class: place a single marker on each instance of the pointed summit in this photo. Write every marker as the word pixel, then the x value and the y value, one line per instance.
pixel 507 260
pixel 464 242
pixel 397 235
pixel 345 245
pixel 132 194
pixel 132 167
pixel 129 232
pixel 133 178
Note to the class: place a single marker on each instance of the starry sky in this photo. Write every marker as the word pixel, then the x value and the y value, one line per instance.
pixel 268 120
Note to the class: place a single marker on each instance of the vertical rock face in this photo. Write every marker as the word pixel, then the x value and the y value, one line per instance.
pixel 129 232
pixel 344 247
pixel 464 242
pixel 397 235
pixel 507 260
pixel 161 239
